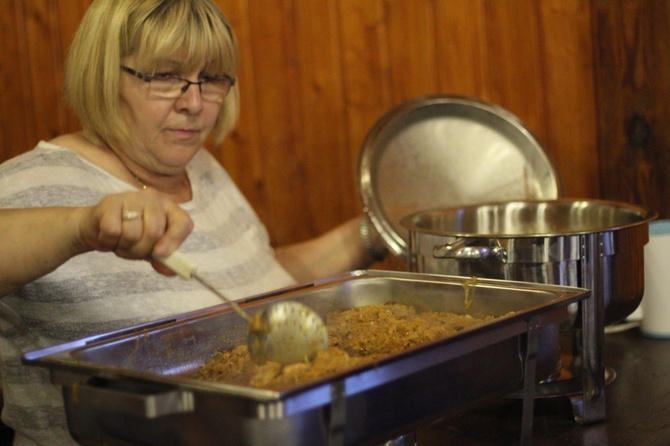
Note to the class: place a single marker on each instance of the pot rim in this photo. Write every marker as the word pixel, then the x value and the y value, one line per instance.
pixel 645 216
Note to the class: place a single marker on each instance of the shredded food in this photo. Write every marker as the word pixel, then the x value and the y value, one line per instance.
pixel 356 336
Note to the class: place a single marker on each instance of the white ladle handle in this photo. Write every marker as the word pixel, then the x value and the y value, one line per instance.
pixel 181 264
pixel 187 269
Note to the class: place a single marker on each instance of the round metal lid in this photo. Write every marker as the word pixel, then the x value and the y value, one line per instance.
pixel 448 151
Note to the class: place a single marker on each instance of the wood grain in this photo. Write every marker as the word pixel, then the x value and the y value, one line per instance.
pixel 462 46
pixel 632 88
pixel 590 79
pixel 568 94
pixel 17 124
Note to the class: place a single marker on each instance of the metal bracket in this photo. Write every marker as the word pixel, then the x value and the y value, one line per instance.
pixel 530 363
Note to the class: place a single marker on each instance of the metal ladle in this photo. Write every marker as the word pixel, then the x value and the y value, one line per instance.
pixel 287 332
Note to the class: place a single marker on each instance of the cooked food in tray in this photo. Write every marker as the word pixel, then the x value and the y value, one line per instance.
pixel 356 336
pixel 129 386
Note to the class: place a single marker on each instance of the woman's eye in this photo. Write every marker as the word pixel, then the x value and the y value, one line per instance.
pixel 162 76
pixel 210 77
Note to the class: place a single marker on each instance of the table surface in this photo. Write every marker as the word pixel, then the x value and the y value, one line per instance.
pixel 637 405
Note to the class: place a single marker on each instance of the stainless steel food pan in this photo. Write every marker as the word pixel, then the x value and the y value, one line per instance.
pixel 125 387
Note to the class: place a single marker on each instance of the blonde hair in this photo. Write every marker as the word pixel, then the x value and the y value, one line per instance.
pixel 190 31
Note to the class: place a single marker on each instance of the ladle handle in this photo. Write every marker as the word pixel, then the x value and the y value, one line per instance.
pixel 187 269
pixel 181 264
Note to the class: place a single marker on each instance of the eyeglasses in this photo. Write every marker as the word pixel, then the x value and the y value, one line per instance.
pixel 212 89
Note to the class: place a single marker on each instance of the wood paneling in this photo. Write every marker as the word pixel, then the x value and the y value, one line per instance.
pixel 633 90
pixel 569 98
pixel 590 79
pixel 15 101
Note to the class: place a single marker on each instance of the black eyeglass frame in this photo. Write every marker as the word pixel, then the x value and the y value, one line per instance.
pixel 150 77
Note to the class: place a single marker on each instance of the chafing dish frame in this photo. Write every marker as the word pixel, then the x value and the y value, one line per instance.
pixel 115 394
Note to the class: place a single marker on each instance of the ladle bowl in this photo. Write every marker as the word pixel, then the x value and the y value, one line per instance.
pixel 287 332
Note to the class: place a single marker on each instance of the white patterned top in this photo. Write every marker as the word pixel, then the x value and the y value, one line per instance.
pixel 98 292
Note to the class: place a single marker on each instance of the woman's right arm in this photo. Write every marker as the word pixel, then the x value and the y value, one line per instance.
pixel 36 241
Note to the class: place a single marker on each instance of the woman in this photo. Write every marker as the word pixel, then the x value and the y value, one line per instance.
pixel 150 81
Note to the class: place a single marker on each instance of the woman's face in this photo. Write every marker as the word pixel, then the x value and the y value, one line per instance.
pixel 165 133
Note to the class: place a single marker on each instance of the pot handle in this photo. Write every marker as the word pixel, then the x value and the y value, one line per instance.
pixel 460 250
pixel 148 405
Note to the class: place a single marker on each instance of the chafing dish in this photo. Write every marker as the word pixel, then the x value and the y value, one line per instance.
pixel 127 387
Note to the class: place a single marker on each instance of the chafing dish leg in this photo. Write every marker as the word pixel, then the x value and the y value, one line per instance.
pixel 532 348
pixel 338 415
pixel 589 407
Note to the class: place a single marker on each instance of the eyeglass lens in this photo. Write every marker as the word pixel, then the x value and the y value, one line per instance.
pixel 214 91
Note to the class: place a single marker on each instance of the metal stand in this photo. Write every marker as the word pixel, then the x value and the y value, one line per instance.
pixel 586 390
pixel 589 407
pixel 337 414
pixel 532 347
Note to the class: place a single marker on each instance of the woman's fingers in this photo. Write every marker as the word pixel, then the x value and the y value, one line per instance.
pixel 178 225
pixel 135 225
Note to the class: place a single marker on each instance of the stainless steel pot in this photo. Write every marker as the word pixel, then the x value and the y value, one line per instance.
pixel 593 244
pixel 539 241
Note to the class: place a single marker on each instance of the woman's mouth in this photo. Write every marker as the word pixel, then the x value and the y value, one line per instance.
pixel 185 134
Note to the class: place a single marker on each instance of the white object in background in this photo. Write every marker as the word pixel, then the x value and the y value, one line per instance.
pixel 656 301
pixel 636 315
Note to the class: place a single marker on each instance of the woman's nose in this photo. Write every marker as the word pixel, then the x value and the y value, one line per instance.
pixel 191 99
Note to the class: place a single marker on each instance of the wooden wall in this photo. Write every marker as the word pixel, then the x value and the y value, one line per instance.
pixel 590 78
